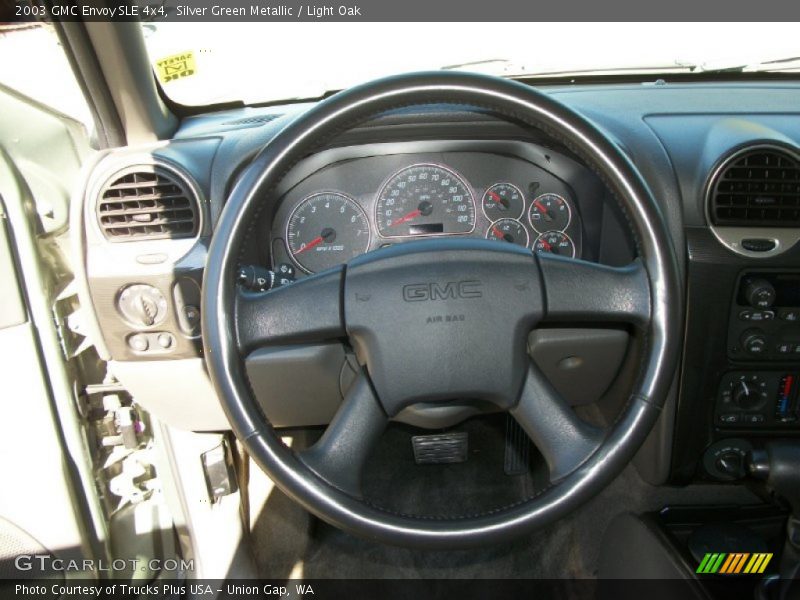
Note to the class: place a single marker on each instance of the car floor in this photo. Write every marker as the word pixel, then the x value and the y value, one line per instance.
pixel 288 543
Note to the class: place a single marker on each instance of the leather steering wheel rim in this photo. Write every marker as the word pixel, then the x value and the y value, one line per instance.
pixel 660 324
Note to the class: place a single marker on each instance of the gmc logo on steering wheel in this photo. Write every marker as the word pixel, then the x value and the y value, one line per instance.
pixel 417 292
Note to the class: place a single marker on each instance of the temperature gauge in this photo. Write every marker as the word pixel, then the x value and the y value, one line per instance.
pixel 549 212
pixel 555 242
pixel 503 201
pixel 508 230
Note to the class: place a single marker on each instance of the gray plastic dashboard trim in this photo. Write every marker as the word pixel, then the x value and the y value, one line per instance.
pixel 554 161
pixel 97 258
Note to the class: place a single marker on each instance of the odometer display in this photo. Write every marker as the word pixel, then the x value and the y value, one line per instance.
pixel 425 199
pixel 325 230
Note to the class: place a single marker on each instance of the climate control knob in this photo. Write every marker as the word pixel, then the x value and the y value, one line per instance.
pixel 747 394
pixel 760 293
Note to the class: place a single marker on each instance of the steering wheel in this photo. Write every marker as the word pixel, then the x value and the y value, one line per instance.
pixel 500 292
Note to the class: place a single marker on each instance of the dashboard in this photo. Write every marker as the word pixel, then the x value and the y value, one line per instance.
pixel 722 160
pixel 359 205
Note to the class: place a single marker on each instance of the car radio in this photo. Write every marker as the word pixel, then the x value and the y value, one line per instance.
pixel 764 322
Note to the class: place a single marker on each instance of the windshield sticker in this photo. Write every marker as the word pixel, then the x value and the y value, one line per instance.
pixel 177 66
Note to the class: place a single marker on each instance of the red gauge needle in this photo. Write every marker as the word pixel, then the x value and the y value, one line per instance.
pixel 315 242
pixel 500 235
pixel 497 198
pixel 547 246
pixel 412 215
pixel 542 209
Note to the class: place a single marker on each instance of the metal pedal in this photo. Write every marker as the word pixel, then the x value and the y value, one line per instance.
pixel 441 448
pixel 518 448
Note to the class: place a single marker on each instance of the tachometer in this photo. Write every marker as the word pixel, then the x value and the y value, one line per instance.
pixel 326 229
pixel 425 199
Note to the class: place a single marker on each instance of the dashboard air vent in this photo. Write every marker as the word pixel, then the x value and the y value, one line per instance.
pixel 757 188
pixel 147 203
pixel 253 121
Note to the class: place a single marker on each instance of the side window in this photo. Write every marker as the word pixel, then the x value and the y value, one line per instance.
pixel 33 63
pixel 45 121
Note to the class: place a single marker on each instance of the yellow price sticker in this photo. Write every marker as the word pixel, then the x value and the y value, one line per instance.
pixel 177 66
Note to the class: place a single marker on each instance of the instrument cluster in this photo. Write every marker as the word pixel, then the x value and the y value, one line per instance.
pixel 501 198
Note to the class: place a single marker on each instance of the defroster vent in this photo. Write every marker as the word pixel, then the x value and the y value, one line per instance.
pixel 759 187
pixel 147 203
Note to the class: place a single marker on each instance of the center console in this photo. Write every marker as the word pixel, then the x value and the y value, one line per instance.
pixel 763 327
pixel 740 381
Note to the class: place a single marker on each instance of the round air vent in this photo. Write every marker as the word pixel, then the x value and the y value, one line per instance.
pixel 753 200
pixel 147 202
pixel 759 187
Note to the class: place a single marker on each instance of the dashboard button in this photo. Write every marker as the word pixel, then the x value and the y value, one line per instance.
pixel 758 245
pixel 753 419
pixel 151 259
pixel 754 342
pixel 729 418
pixel 761 315
pixel 784 348
pixel 789 314
pixel 139 343
pixel 192 314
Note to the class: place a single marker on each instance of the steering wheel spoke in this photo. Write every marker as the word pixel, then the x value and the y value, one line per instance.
pixel 561 436
pixel 308 310
pixel 340 454
pixel 581 291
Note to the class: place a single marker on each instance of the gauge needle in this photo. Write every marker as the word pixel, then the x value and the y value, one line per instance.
pixel 543 209
pixel 547 246
pixel 498 199
pixel 499 234
pixel 315 242
pixel 412 215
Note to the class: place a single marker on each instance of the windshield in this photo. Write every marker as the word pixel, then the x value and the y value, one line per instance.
pixel 207 63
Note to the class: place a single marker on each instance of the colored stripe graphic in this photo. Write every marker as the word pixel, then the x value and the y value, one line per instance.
pixel 734 563
pixel 703 564
pixel 717 563
pixel 738 563
pixel 743 560
pixel 725 568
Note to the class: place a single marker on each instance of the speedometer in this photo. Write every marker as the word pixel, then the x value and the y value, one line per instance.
pixel 425 199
